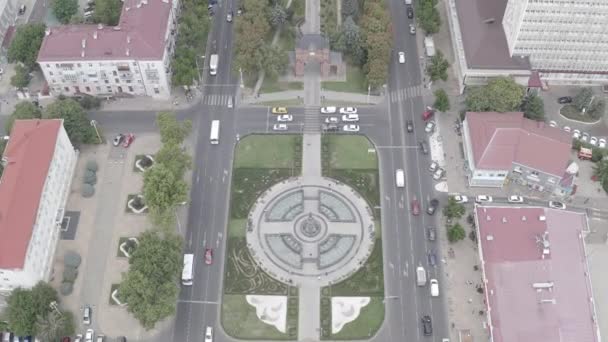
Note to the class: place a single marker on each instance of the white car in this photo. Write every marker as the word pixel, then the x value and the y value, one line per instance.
pixel 348 110
pixel 279 127
pixel 78 338
pixel 567 129
pixel 209 334
pixel 585 137
pixel 438 174
pixel 483 199
pixel 350 117
pixel 328 110
pixel 515 199
pixel 601 143
pixel 332 119
pixel 434 288
pixel 552 123
pixel 412 29
pixel 433 166
pixel 593 141
pixel 285 118
pixel 351 128
pixel 401 57
pixel 430 126
pixel 557 205
pixel 89 335
pixel 576 134
pixel 461 199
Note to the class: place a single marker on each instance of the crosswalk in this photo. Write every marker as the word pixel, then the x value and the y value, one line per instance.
pixel 312 122
pixel 403 94
pixel 216 99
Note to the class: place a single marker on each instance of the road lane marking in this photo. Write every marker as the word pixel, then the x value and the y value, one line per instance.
pixel 197 302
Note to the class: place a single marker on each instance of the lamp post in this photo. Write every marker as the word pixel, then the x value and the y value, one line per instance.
pixel 241 72
pixel 94 124
pixel 369 89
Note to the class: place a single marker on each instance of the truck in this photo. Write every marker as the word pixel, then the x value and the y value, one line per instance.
pixel 213 64
pixel 420 276
pixel 429 46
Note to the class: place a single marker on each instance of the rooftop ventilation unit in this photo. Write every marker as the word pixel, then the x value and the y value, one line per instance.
pixel 523 218
pixel 542 218
pixel 116 28
pixel 490 237
pixel 82 54
pixel 504 220
pixel 128 39
pixel 128 52
pixel 548 301
pixel 489 21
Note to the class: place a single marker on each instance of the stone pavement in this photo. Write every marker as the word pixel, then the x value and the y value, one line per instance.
pixel 326 94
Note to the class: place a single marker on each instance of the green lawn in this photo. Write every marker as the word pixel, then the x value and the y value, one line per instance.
pixel 281 103
pixel 351 152
pixel 366 325
pixel 268 151
pixel 355 82
pixel 329 20
pixel 237 227
pixel 273 85
pixel 249 183
pixel 572 113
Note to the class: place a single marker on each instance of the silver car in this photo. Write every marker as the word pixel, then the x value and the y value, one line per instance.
pixel 279 127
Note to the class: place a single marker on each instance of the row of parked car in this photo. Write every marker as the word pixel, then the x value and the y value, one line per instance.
pixel 349 118
pixel 10 337
pixel 582 136
pixel 481 199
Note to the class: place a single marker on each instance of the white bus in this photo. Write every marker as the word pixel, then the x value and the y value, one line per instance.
pixel 215 132
pixel 188 269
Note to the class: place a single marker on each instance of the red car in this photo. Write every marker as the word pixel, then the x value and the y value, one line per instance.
pixel 65 339
pixel 427 114
pixel 128 140
pixel 415 207
pixel 208 256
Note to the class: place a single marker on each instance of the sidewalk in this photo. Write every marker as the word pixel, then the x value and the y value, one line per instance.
pixel 325 94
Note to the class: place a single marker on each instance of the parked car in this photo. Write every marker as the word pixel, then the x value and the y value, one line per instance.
pixel 601 143
pixel 208 256
pixel 279 110
pixel 427 325
pixel 229 17
pixel 438 174
pixel 209 334
pixel 461 199
pixel 483 199
pixel 285 118
pixel 280 127
pixel 430 126
pixel 409 124
pixel 128 140
pixel 401 57
pixel 515 199
pixel 557 205
pixel 412 29
pixel 86 315
pixel 89 335
pixel 78 338
pixel 101 338
pixel 431 233
pixel 348 110
pixel 432 208
pixel 585 137
pixel 118 139
pixel 410 13
pixel 434 286
pixel 330 128
pixel 432 258
pixel 593 141
pixel 433 167
pixel 564 100
pixel 350 128
pixel 576 134
pixel 415 207
pixel 332 119
pixel 424 147
pixel 567 129
pixel 350 117
pixel 552 123
pixel 427 114
pixel 329 110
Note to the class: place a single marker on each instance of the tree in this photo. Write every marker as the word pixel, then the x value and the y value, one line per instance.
pixel 501 94
pixel 24 110
pixel 171 130
pixel 54 326
pixel 185 71
pixel 150 286
pixel 65 9
pixel 277 16
pixel 350 8
pixel 25 305
pixel 350 41
pixel 275 61
pixel 583 98
pixel 162 189
pixel 75 120
pixel 456 233
pixel 534 108
pixel 428 16
pixel 174 158
pixel 600 170
pixel 453 209
pixel 107 12
pixel 21 78
pixel 438 68
pixel 596 108
pixel 442 102
pixel 26 44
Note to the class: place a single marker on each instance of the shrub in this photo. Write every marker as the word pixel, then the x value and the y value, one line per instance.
pixel 66 288
pixel 70 274
pixel 92 165
pixel 87 190
pixel 72 259
pixel 90 178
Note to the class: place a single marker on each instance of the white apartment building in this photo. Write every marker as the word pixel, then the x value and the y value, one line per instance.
pixel 130 59
pixel 8 15
pixel 566 40
pixel 39 162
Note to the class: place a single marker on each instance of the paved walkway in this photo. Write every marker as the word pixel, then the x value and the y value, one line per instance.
pixel 326 94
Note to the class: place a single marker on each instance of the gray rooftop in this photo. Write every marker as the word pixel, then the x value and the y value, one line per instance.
pixel 485 44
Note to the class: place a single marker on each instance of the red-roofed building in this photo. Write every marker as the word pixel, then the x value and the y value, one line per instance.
pixel 535 273
pixel 39 162
pixel 132 58
pixel 501 147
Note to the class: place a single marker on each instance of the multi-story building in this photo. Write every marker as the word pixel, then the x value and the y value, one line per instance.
pixel 39 162
pixel 132 58
pixel 503 147
pixel 8 14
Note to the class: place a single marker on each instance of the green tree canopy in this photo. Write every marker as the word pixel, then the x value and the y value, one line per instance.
pixel 23 110
pixel 277 16
pixel 442 102
pixel 456 233
pixel 65 9
pixel 75 120
pixel 600 170
pixel 453 209
pixel 25 305
pixel 175 158
pixel 162 189
pixel 26 44
pixel 438 68
pixel 501 94
pixel 583 98
pixel 21 78
pixel 534 108
pixel 54 326
pixel 428 16
pixel 172 131
pixel 107 12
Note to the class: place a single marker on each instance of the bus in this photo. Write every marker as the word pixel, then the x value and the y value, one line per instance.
pixel 188 269
pixel 214 136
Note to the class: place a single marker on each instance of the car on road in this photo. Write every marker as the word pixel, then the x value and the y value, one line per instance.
pixel 564 100
pixel 348 110
pixel 209 334
pixel 78 338
pixel 229 17
pixel 434 287
pixel 567 129
pixel 427 114
pixel 330 128
pixel 208 256
pixel 409 124
pixel 601 143
pixel 280 127
pixel 350 117
pixel 128 140
pixel 552 123
pixel 461 199
pixel 576 134
pixel 432 258
pixel 433 167
pixel 412 29
pixel 350 128
pixel 401 57
pixel 86 315
pixel 585 137
pixel 415 207
pixel 483 199
pixel 329 110
pixel 427 325
pixel 400 178
pixel 279 110
pixel 432 208
pixel 101 338
pixel 593 141
pixel 430 127
pixel 89 335
pixel 332 119
pixel 285 118
pixel 410 12
pixel 118 139
pixel 438 174
pixel 431 233
pixel 557 205
pixel 515 199
pixel 424 147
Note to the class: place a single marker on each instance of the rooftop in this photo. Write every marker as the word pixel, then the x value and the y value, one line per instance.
pixel 139 34
pixel 28 157
pixel 534 295
pixel 500 139
pixel 483 37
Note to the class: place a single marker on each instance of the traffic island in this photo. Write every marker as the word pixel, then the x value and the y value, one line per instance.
pixel 570 112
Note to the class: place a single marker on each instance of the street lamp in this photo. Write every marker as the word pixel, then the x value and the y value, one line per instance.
pixel 369 89
pixel 241 72
pixel 94 124
pixel 53 305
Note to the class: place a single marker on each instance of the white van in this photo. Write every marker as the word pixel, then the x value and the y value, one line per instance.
pixel 400 178
pixel 420 276
pixel 434 288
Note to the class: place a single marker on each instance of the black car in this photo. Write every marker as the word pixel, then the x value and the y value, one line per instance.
pixel 433 204
pixel 432 256
pixel 410 12
pixel 427 325
pixel 564 99
pixel 424 147
pixel 410 126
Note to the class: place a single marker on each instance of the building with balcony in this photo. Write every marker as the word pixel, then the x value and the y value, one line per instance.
pixel 130 59
pixel 39 162
pixel 506 147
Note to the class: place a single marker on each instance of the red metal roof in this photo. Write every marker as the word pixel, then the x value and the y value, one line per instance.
pixel 534 80
pixel 28 157
pixel 140 34
pixel 500 139
pixel 513 263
